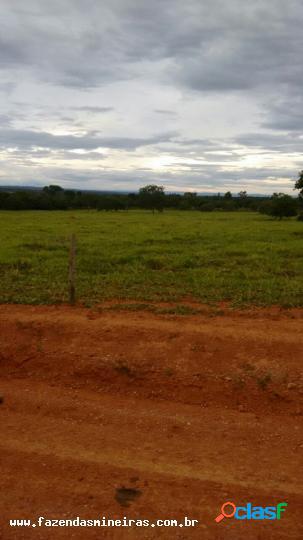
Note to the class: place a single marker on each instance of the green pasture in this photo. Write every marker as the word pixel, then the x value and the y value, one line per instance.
pixel 240 257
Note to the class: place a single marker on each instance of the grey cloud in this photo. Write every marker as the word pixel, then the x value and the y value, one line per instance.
pixel 69 119
pixel 255 180
pixel 209 178
pixel 5 120
pixel 7 87
pixel 60 55
pixel 28 139
pixel 11 54
pixel 195 142
pixel 93 109
pixel 285 115
pixel 70 156
pixel 165 111
pixel 35 155
pixel 211 45
pixel 272 142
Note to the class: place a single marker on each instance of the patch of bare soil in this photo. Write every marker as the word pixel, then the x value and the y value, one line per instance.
pixel 150 416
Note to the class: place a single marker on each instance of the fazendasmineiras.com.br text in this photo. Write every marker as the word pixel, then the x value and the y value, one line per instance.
pixel 102 522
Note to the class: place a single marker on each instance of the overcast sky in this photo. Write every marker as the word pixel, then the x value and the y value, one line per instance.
pixel 201 95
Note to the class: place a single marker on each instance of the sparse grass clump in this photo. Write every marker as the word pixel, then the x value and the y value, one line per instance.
pixel 264 380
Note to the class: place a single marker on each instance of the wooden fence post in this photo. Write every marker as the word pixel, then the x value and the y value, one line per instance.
pixel 72 270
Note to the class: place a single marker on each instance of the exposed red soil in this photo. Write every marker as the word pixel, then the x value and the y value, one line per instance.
pixel 191 411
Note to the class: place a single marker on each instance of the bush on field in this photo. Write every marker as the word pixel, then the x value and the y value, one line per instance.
pixel 279 206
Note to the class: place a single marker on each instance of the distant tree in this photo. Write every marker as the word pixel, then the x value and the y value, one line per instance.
pixel 242 200
pixel 228 195
pixel 299 184
pixel 3 199
pixel 173 200
pixel 207 207
pixel 70 193
pixel 229 205
pixel 109 202
pixel 52 189
pixel 190 195
pixel 280 206
pixel 190 201
pixel 19 200
pixel 152 197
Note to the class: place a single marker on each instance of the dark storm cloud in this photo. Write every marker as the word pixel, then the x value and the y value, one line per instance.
pixel 28 139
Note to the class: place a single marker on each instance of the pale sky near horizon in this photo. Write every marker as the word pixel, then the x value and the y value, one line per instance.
pixel 202 95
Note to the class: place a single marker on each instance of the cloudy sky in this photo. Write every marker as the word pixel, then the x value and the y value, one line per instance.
pixel 202 95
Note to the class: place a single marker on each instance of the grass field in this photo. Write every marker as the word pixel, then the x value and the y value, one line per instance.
pixel 243 258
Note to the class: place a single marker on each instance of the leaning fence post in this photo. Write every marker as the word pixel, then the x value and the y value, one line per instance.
pixel 72 270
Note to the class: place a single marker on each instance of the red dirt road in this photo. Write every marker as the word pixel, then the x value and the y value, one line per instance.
pixel 186 412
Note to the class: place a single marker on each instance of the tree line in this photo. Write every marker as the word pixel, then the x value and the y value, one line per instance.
pixel 152 197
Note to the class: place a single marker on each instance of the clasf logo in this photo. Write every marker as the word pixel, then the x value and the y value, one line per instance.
pixel 229 510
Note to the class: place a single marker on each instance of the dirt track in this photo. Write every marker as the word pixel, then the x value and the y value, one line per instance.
pixel 190 411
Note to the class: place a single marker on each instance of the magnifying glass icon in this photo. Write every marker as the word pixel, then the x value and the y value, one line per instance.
pixel 225 514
